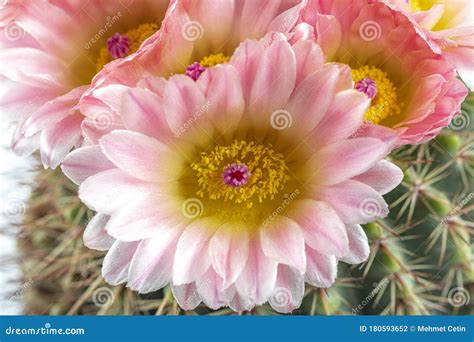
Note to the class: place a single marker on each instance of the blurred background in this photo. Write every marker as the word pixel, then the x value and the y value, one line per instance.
pixel 421 259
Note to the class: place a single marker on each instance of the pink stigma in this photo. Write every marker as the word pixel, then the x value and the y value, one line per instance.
pixel 367 86
pixel 195 70
pixel 236 175
pixel 118 45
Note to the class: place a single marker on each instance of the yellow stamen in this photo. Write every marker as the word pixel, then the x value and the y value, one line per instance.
pixel 136 37
pixel 214 59
pixel 386 102
pixel 421 5
pixel 268 169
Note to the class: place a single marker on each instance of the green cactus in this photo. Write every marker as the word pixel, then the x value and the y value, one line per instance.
pixel 421 258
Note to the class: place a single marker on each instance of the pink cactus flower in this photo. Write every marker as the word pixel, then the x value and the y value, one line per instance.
pixel 449 28
pixel 414 91
pixel 195 35
pixel 235 188
pixel 50 52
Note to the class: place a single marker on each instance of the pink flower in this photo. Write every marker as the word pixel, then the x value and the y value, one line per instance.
pixel 240 186
pixel 414 91
pixel 195 35
pixel 449 29
pixel 50 53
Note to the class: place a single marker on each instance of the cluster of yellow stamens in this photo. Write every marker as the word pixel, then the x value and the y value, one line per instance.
pixel 385 103
pixel 136 37
pixel 421 5
pixel 214 59
pixel 267 168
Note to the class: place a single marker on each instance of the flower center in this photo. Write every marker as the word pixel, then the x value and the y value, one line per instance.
pixel 118 45
pixel 367 86
pixel 236 175
pixel 376 84
pixel 197 68
pixel 243 172
pixel 121 45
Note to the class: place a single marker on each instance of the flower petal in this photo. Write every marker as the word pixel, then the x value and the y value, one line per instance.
pixel 228 249
pixel 140 156
pixel 117 261
pixel 95 236
pixel 358 245
pixel 57 141
pixel 321 269
pixel 289 290
pixel 85 162
pixel 111 189
pixel 186 295
pixel 150 215
pixel 283 240
pixel 210 288
pixel 257 279
pixel 383 177
pixel 274 80
pixel 150 268
pixel 346 159
pixel 355 202
pixel 192 257
pixel 323 230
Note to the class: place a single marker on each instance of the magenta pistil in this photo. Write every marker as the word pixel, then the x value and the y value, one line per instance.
pixel 367 86
pixel 236 175
pixel 195 70
pixel 118 45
